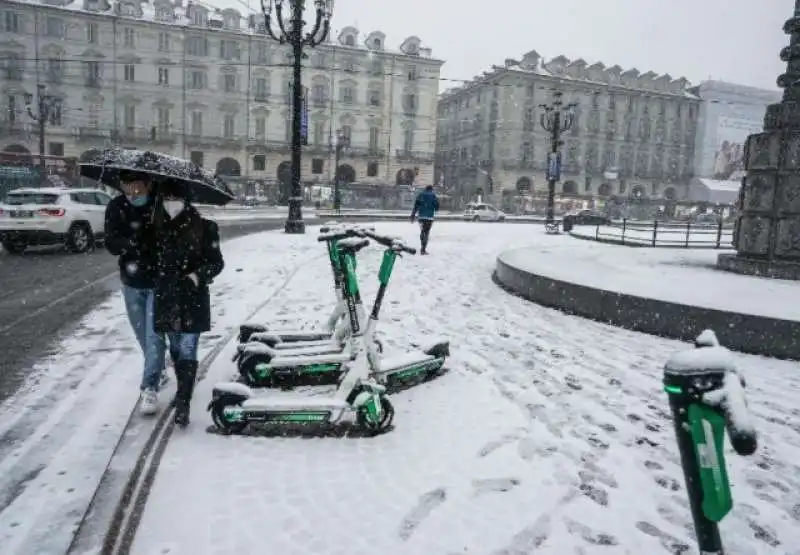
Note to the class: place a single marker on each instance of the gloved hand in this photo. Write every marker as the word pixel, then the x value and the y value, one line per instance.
pixel 413 218
pixel 194 279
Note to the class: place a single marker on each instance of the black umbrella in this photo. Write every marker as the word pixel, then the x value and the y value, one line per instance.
pixel 201 186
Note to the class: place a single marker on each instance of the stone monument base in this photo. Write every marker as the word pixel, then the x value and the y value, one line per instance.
pixel 777 269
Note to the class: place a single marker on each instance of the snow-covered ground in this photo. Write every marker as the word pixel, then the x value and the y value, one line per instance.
pixel 685 276
pixel 58 433
pixel 641 233
pixel 550 434
pixel 237 213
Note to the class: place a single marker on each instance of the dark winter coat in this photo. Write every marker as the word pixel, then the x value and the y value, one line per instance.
pixel 189 244
pixel 425 206
pixel 127 230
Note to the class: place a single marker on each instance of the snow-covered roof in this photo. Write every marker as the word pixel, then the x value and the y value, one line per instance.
pixel 580 71
pixel 174 12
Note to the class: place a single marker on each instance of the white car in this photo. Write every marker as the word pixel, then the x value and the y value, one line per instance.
pixel 52 216
pixel 483 212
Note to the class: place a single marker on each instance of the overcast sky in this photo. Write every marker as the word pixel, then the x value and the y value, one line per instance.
pixel 730 40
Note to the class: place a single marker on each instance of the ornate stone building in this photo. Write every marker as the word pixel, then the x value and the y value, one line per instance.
pixel 208 85
pixel 633 133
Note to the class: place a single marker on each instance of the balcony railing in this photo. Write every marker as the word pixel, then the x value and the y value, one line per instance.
pixel 93 82
pixel 92 134
pixel 260 145
pixel 404 155
pixel 139 136
pixel 261 97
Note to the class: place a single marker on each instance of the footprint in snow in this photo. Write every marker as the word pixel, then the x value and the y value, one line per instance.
pixel 528 539
pixel 670 543
pixel 426 504
pixel 494 485
pixel 588 535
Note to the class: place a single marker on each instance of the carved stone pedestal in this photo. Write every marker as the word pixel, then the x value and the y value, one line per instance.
pixel 768 229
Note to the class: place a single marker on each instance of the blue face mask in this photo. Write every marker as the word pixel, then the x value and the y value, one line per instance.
pixel 139 201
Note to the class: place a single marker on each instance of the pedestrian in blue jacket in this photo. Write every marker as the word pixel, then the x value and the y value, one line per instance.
pixel 425 207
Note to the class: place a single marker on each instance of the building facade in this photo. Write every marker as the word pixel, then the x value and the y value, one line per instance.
pixel 633 133
pixel 728 114
pixel 210 86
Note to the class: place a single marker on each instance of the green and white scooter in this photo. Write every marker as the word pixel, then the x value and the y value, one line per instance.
pixel 332 335
pixel 359 398
pixel 265 367
pixel 400 370
pixel 261 365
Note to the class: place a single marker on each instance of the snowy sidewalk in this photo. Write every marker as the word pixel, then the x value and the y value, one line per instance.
pixel 550 433
pixel 59 432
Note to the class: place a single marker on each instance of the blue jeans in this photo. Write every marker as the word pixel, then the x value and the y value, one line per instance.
pixel 140 304
pixel 183 346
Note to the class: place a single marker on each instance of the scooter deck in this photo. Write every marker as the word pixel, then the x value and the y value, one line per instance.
pixel 291 336
pixel 317 344
pixel 292 403
pixel 418 361
pixel 294 360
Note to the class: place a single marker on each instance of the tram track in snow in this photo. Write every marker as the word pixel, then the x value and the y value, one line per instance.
pixel 139 452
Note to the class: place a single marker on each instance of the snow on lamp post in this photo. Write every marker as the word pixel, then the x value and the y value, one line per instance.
pixel 295 35
pixel 706 397
pixel 556 118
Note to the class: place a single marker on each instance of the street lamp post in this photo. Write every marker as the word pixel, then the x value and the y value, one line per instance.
pixel 297 38
pixel 556 118
pixel 342 142
pixel 45 106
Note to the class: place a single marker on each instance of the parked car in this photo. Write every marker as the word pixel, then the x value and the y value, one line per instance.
pixel 476 211
pixel 587 217
pixel 74 218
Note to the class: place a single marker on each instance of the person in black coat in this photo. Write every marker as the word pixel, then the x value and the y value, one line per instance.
pixel 188 258
pixel 128 227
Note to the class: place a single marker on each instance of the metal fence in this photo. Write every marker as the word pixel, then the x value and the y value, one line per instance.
pixel 689 235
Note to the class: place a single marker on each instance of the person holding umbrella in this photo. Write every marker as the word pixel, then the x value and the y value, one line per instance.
pixel 128 237
pixel 187 260
pixel 136 225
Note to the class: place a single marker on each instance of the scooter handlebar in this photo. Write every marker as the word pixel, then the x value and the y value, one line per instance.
pixel 391 242
pixel 330 233
pixel 338 234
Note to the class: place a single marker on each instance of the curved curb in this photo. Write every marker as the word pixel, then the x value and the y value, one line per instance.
pixel 620 242
pixel 758 335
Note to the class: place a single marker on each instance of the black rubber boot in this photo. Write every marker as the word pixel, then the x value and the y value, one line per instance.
pixel 186 372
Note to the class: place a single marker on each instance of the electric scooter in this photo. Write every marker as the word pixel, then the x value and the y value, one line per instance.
pixel 263 366
pixel 247 353
pixel 401 370
pixel 358 398
pixel 333 329
pixel 268 368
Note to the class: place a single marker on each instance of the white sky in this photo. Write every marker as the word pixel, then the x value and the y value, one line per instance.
pixel 730 40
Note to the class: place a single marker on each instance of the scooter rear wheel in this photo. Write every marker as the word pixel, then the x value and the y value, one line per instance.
pixel 222 423
pixel 376 427
pixel 247 369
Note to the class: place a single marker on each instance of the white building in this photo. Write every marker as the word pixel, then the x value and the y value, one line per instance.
pixel 209 86
pixel 633 134
pixel 729 114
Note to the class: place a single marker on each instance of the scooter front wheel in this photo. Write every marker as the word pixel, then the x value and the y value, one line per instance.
pixel 223 421
pixel 365 422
